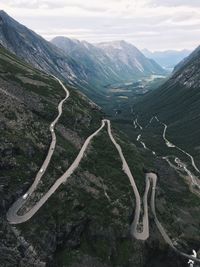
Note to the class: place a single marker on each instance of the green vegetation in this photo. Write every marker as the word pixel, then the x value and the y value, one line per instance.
pixel 91 213
pixel 81 202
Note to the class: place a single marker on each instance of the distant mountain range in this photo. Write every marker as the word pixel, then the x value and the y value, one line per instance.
pixel 90 67
pixel 128 59
pixel 118 60
pixel 167 59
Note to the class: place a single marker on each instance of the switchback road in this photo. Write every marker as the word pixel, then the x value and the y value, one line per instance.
pixel 14 218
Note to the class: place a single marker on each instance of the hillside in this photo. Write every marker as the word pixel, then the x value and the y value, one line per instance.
pixel 87 220
pixel 79 212
pixel 97 65
pixel 177 104
pixel 32 48
pixel 129 60
pixel 191 57
pixel 112 61
pixel 80 64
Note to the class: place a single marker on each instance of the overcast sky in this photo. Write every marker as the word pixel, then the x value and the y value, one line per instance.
pixel 152 24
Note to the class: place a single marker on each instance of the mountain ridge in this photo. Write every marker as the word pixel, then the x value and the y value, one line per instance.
pixel 88 69
pixel 177 103
pixel 123 51
pixel 133 63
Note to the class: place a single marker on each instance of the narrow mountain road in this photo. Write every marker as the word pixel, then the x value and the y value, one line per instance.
pixel 127 171
pixel 12 215
pixel 194 180
pixel 144 233
pixel 170 144
pixel 137 123
pixel 52 145
pixel 14 218
pixel 153 178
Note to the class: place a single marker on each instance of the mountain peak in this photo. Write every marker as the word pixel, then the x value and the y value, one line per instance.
pixel 4 15
pixel 2 12
pixel 6 19
pixel 115 44
pixel 76 61
pixel 121 42
pixel 65 39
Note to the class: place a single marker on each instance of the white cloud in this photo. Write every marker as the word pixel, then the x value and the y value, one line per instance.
pixel 154 24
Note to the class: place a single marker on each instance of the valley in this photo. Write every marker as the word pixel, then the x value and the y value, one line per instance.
pixel 118 98
pixel 14 218
pixel 180 165
pixel 99 153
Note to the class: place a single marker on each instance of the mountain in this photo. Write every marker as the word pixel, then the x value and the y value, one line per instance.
pixel 114 61
pixel 87 67
pixel 177 102
pixel 45 56
pixel 86 222
pixel 98 66
pixel 62 232
pixel 167 59
pixel 35 50
pixel 191 57
pixel 129 60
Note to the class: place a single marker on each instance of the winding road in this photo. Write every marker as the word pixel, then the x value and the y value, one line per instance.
pixel 152 177
pixel 169 144
pixel 194 180
pixel 14 218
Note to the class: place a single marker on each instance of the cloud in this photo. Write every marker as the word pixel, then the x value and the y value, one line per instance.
pixel 177 2
pixel 154 24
